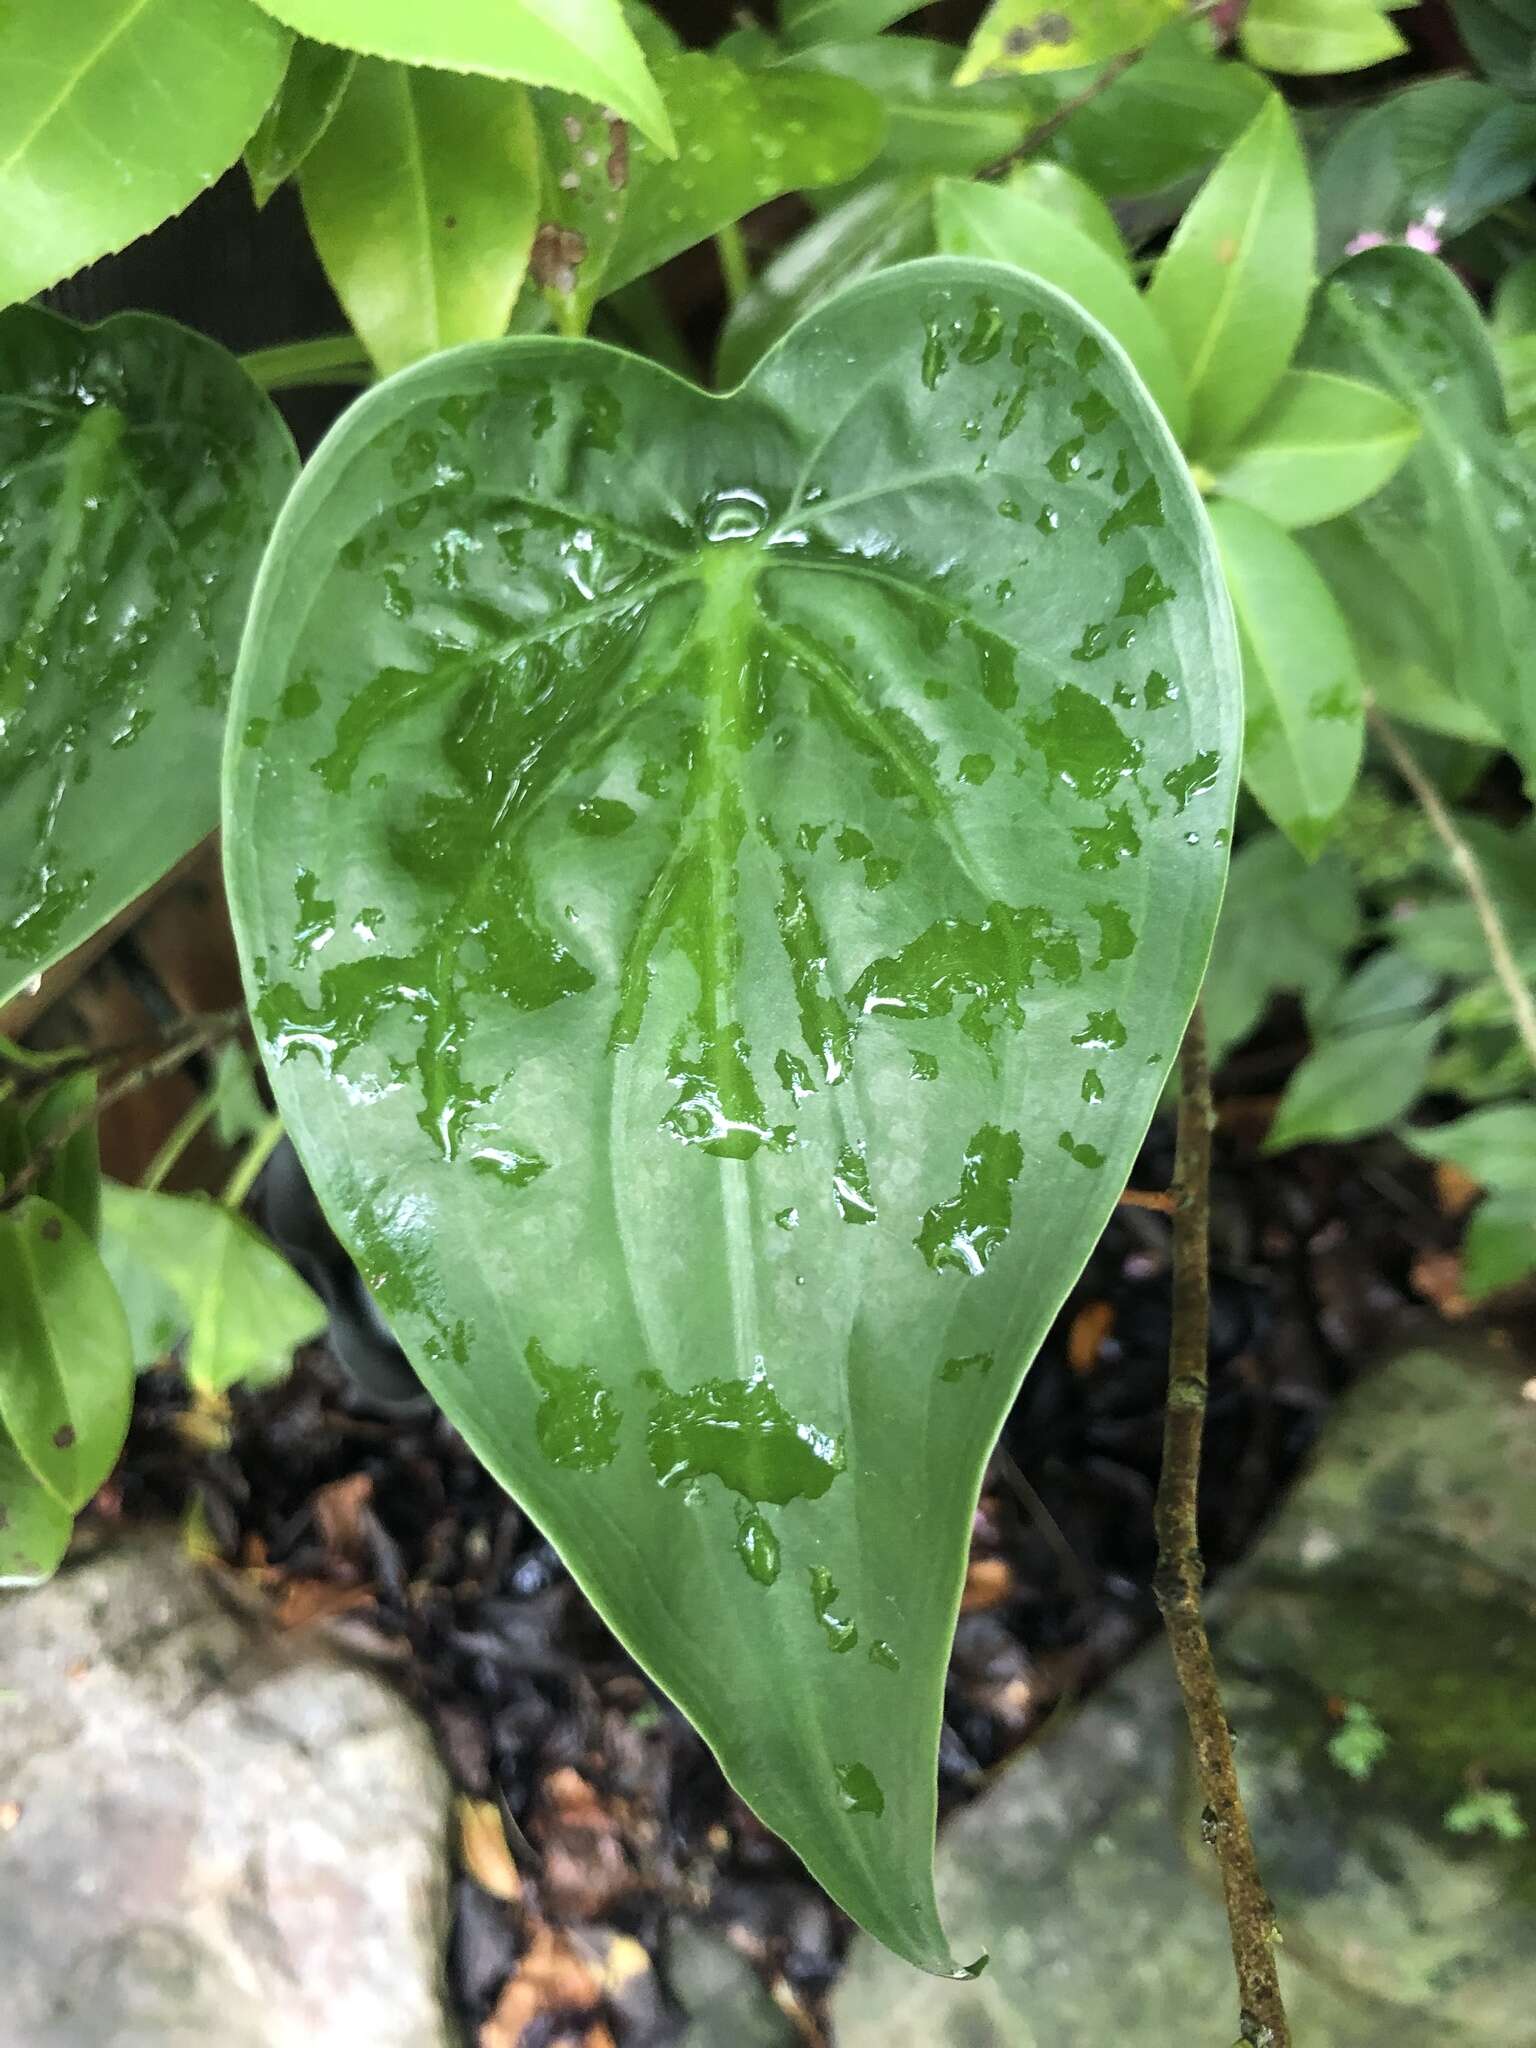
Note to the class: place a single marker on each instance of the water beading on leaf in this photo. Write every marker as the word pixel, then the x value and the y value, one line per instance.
pixel 140 471
pixel 688 855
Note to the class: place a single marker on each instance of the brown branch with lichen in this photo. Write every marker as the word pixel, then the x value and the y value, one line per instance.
pixel 1181 1572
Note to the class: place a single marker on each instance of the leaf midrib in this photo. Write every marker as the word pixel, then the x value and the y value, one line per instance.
pixel 76 78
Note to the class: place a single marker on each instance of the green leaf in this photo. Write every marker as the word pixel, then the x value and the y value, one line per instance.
pixel 1497 1147
pixel 931 125
pixel 770 761
pixel 1315 37
pixel 66 1373
pixel 1286 927
pixel 1354 1083
pixel 1501 34
pixel 243 1309
pixel 1060 191
pixel 1437 157
pixel 580 46
pixel 1456 521
pixel 72 1178
pixel 1514 302
pixel 1233 288
pixel 317 76
pixel 1322 444
pixel 1390 988
pixel 1011 227
pixel 34 1527
pixel 238 1110
pixel 140 471
pixel 880 225
pixel 1500 1245
pixel 422 197
pixel 808 22
pixel 1305 726
pixel 115 114
pixel 819 130
pixel 1024 36
pixel 1171 114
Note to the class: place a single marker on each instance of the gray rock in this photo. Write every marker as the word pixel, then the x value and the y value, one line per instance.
pixel 1400 1580
pixel 220 1839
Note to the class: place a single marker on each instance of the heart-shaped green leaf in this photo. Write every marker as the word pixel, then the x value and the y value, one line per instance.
pixel 720 882
pixel 66 1365
pixel 115 114
pixel 140 471
pixel 583 46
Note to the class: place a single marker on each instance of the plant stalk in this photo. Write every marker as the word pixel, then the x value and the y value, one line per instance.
pixel 255 1157
pixel 333 359
pixel 1181 1571
pixel 1470 873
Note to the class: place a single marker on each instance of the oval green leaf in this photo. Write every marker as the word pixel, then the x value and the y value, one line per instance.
pixel 1233 288
pixel 1312 37
pixel 718 923
pixel 317 76
pixel 422 197
pixel 115 114
pixel 581 46
pixel 34 1527
pixel 66 1364
pixel 140 471
pixel 1305 725
pixel 1026 36
pixel 1322 444
pixel 1011 226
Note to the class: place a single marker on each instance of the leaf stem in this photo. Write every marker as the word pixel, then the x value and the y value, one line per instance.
pixel 1181 1571
pixel 257 1153
pixel 1470 873
pixel 179 1137
pixel 735 270
pixel 1047 129
pixel 333 359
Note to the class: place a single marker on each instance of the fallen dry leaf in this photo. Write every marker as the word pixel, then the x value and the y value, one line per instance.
pixel 552 1977
pixel 1455 1189
pixel 483 1846
pixel 1090 1326
pixel 988 1583
pixel 1436 1277
pixel 302 1602
pixel 339 1509
pixel 585 1868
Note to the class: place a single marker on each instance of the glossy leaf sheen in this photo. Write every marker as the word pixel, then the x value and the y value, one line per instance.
pixel 808 22
pixel 1024 35
pixel 931 124
pixel 1010 226
pixel 317 76
pixel 140 471
pixel 1322 444
pixel 1305 723
pixel 1310 37
pixel 1233 288
pixel 115 114
pixel 34 1527
pixel 718 929
pixel 422 197
pixel 582 46
pixel 66 1372
pixel 243 1309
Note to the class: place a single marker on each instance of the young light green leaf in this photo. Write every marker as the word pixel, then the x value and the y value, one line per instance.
pixel 1286 926
pixel 580 46
pixel 690 958
pixel 1233 289
pixel 71 1180
pixel 140 470
pixel 880 225
pixel 317 76
pixel 1062 192
pixel 1026 36
pixel 1497 1147
pixel 1456 521
pixel 822 131
pixel 422 197
pixel 1317 37
pixel 115 114
pixel 243 1309
pixel 806 23
pixel 1354 1083
pixel 1322 444
pixel 1172 113
pixel 585 159
pixel 34 1527
pixel 1305 726
pixel 66 1371
pixel 1500 1245
pixel 1009 226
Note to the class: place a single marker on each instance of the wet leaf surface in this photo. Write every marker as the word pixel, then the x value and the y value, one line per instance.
pixel 728 1025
